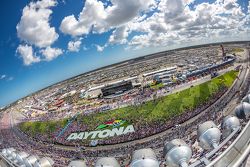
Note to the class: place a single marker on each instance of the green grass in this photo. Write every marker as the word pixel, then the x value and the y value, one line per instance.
pixel 158 110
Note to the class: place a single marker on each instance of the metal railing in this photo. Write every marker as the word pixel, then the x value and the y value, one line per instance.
pixel 236 153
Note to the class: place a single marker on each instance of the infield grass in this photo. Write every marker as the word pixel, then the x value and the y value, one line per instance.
pixel 157 110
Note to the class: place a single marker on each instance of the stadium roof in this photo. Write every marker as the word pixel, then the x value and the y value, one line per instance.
pixel 158 71
pixel 112 83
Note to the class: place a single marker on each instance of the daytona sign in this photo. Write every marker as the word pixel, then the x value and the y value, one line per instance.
pixel 100 134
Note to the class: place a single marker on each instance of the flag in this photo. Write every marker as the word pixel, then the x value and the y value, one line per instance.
pixel 109 123
pixel 102 126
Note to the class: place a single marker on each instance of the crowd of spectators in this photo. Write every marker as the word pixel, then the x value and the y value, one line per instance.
pixel 212 110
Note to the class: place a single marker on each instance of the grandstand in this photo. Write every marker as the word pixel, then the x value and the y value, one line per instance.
pixel 192 123
pixel 161 71
pixel 116 88
pixel 210 68
pixel 111 88
pixel 175 152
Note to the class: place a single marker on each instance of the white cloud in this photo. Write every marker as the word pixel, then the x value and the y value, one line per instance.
pixel 36 34
pixel 230 4
pixel 45 3
pixel 74 46
pixel 51 53
pixel 124 11
pixel 248 7
pixel 172 9
pixel 34 27
pixel 96 17
pixel 3 76
pixel 85 48
pixel 26 53
pixel 92 12
pixel 119 35
pixel 140 41
pixel 6 78
pixel 174 23
pixel 100 48
pixel 187 2
pixel 137 23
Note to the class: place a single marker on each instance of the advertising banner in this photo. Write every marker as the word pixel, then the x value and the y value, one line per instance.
pixel 106 130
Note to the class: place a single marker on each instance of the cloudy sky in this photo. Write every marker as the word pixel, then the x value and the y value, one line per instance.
pixel 43 42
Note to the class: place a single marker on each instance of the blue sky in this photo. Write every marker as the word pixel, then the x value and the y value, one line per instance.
pixel 44 42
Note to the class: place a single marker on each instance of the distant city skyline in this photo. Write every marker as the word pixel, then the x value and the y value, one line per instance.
pixel 47 41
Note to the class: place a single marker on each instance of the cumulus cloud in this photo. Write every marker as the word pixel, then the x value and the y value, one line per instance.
pixel 187 2
pixel 172 9
pixel 100 48
pixel 136 23
pixel 124 11
pixel 36 34
pixel 140 41
pixel 174 23
pixel 96 17
pixel 169 22
pixel 51 53
pixel 92 12
pixel 34 27
pixel 230 4
pixel 27 54
pixel 74 46
pixel 246 20
pixel 119 35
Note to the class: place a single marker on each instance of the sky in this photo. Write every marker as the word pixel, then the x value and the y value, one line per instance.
pixel 47 41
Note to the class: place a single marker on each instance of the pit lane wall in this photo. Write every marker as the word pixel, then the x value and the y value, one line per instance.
pixel 236 154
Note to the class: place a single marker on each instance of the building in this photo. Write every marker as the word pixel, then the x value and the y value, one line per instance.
pixel 117 88
pixel 161 71
pixel 165 76
pixel 93 92
pixel 210 68
pixel 112 88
